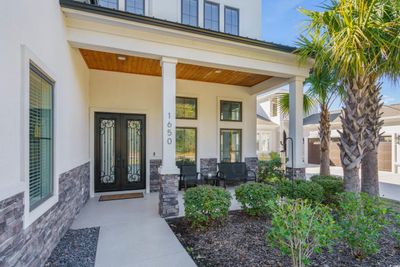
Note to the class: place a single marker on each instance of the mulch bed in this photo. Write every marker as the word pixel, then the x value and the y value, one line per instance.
pixel 76 249
pixel 240 241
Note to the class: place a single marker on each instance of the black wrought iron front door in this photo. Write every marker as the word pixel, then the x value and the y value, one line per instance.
pixel 119 152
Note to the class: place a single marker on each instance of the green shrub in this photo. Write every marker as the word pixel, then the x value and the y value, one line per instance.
pixel 361 219
pixel 332 186
pixel 300 229
pixel 301 189
pixel 270 171
pixel 204 204
pixel 396 231
pixel 254 198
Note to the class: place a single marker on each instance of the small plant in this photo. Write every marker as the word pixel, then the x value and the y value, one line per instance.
pixel 300 229
pixel 301 189
pixel 254 198
pixel 270 171
pixel 332 186
pixel 204 204
pixel 361 219
pixel 396 230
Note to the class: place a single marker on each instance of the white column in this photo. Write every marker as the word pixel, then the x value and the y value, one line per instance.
pixel 169 122
pixel 296 123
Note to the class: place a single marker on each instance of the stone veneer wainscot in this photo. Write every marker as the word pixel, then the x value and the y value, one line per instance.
pixel 33 245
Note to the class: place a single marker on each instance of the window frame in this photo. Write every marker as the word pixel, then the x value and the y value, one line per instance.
pixel 219 15
pixel 116 8
pixel 241 143
pixel 238 12
pixel 144 8
pixel 43 75
pixel 196 141
pixel 196 108
pixel 198 13
pixel 231 101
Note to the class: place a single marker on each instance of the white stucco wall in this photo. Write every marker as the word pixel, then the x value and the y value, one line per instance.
pixel 130 93
pixel 250 13
pixel 38 26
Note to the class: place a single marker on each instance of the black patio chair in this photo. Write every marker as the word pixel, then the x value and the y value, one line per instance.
pixel 188 176
pixel 235 173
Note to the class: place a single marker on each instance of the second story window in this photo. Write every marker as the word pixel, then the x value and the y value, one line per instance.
pixel 274 107
pixel 211 16
pixel 109 3
pixel 190 12
pixel 135 6
pixel 232 20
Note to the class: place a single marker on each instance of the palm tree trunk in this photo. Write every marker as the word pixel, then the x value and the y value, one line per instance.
pixel 325 139
pixel 369 173
pixel 351 137
pixel 373 126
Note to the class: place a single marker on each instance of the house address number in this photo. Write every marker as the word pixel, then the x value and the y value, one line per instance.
pixel 169 130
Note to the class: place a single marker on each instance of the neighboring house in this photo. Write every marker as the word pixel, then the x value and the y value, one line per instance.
pixel 271 123
pixel 389 147
pixel 106 96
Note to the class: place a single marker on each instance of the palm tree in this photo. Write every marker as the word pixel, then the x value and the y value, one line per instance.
pixel 323 91
pixel 361 41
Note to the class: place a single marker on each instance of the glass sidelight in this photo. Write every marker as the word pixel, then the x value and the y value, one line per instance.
pixel 119 152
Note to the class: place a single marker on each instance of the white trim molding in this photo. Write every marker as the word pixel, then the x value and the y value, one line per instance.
pixel 32 215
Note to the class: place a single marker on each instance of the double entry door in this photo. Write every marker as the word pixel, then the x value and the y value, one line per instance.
pixel 119 152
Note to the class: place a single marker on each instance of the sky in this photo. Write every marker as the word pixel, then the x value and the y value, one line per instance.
pixel 283 23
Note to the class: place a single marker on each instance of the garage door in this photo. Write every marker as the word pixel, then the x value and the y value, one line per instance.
pixel 384 152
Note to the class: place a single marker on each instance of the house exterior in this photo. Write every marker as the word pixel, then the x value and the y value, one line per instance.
pixel 107 96
pixel 389 147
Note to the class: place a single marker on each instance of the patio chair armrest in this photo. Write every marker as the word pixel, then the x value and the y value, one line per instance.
pixel 220 175
pixel 253 172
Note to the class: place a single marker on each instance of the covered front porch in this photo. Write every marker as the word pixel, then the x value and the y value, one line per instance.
pixel 138 70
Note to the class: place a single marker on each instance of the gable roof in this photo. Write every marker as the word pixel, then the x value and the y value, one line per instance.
pixel 172 25
pixel 387 111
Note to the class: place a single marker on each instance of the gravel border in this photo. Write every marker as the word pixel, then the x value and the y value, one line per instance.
pixel 76 249
pixel 240 241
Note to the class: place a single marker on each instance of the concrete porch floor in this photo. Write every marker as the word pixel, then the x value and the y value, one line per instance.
pixel 133 234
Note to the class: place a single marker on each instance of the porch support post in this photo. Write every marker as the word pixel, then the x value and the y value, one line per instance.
pixel 296 164
pixel 168 203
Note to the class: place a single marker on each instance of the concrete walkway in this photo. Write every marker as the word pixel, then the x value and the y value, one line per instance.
pixel 389 183
pixel 133 234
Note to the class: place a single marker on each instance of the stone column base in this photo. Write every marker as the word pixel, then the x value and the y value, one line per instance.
pixel 299 173
pixel 168 203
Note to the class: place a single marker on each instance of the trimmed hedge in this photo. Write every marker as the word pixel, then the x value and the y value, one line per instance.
pixel 332 186
pixel 254 198
pixel 204 204
pixel 301 190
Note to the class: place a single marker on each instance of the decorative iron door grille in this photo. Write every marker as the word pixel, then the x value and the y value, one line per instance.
pixel 119 152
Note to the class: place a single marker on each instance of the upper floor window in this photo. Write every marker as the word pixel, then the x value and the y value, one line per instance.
pixel 40 137
pixel 186 108
pixel 109 3
pixel 211 16
pixel 232 20
pixel 135 6
pixel 231 111
pixel 274 107
pixel 190 12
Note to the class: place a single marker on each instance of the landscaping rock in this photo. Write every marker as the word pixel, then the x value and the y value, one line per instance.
pixel 76 249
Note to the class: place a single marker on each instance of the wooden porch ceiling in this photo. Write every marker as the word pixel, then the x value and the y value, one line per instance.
pixel 146 66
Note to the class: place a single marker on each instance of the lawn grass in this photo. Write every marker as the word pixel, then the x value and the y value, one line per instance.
pixel 393 204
